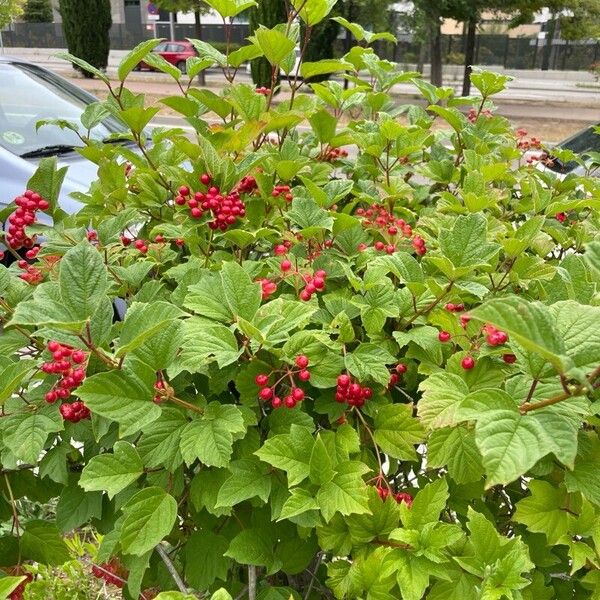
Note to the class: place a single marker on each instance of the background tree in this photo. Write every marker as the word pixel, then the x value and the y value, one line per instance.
pixel 86 25
pixel 9 10
pixel 198 7
pixel 268 13
pixel 38 11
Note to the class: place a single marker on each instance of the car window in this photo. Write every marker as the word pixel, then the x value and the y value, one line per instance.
pixel 162 47
pixel 176 48
pixel 585 141
pixel 29 94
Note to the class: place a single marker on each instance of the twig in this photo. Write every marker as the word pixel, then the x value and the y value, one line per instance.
pixel 313 577
pixel 172 570
pixel 251 582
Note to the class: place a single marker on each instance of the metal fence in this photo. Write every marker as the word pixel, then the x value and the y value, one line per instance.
pixel 511 53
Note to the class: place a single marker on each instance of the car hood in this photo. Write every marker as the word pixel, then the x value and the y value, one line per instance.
pixel 16 171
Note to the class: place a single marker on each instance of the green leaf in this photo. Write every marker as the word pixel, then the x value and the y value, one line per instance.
pixel 243 54
pixel 11 378
pixel 204 561
pixel 529 323
pixel 510 444
pixel 124 396
pixel 112 472
pixel 82 280
pixel 85 66
pixel 320 464
pixel 204 341
pixel 427 505
pixel 441 399
pixel 397 431
pixel 47 180
pixel 149 517
pixel 307 214
pixel 26 436
pixel 210 438
pixel 159 444
pixel 322 67
pixel 544 511
pixel 242 295
pixel 299 502
pixel 489 83
pixel 42 542
pixel 313 11
pixel 9 584
pixel 76 508
pixel 584 476
pixel 274 44
pixel 455 448
pixel 346 493
pixel 230 8
pixel 206 52
pixel 133 58
pixel 466 243
pixel 143 320
pixel 290 452
pixel 252 547
pixel 368 362
pixel 250 478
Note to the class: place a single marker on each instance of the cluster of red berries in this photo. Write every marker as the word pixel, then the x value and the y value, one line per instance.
pixel 561 217
pixel 313 284
pixel 495 337
pixel 392 227
pixel 451 307
pixel 17 593
pixel 225 208
pixel 160 388
pixel 523 143
pixel 268 287
pixel 112 572
pixel 282 190
pixel 351 392
pixel 397 372
pixel 296 394
pixel 264 91
pixel 385 493
pixel 473 114
pixel 68 363
pixel 27 206
pixel 31 274
pixel 332 154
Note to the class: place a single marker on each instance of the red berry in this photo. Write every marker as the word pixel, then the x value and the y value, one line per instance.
pixel 401 368
pixel 51 397
pixel 301 361
pixel 289 402
pixel 367 393
pixel 286 265
pixel 304 295
pixel 276 402
pixel 444 336
pixel 450 307
pixel 53 346
pixel 139 244
pixel 78 357
pixel 509 359
pixel 184 190
pixel 43 205
pixel 321 273
pixel 92 235
pixel 468 362
pixel 298 394
pixel 205 178
pixel 261 379
pixel 343 381
pixel 280 250
pixel 266 393
pixel 319 283
pixel 304 375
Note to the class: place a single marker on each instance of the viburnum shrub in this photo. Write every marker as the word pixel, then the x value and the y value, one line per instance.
pixel 365 374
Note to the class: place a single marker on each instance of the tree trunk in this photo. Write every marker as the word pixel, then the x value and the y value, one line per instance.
pixel 198 34
pixel 435 41
pixel 469 55
pixel 421 57
pixel 548 45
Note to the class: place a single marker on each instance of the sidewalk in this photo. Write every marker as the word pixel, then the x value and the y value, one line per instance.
pixel 578 89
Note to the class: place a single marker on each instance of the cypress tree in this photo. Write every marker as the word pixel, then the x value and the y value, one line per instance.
pixel 268 13
pixel 38 11
pixel 86 25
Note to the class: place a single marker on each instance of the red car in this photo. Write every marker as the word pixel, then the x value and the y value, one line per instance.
pixel 174 52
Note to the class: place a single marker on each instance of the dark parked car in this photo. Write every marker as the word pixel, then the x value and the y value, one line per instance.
pixel 174 52
pixel 28 94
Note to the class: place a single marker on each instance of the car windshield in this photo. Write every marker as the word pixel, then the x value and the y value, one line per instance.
pixel 585 141
pixel 29 94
